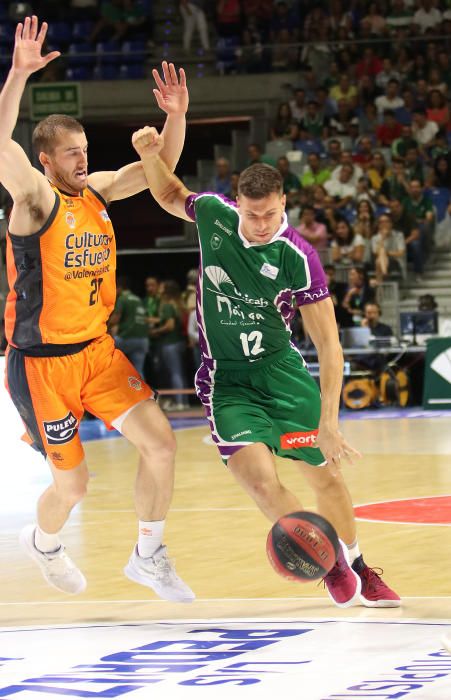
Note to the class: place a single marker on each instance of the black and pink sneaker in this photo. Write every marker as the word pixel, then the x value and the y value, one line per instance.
pixel 342 582
pixel 375 593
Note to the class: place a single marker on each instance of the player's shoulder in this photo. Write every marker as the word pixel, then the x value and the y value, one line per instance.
pixel 212 201
pixel 293 239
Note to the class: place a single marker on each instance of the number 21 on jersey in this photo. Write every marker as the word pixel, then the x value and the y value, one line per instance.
pixel 252 343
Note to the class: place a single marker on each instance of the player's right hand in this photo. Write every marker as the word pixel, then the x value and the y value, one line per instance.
pixel 27 56
pixel 147 141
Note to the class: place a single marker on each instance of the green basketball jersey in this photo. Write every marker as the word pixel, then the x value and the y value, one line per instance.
pixel 248 292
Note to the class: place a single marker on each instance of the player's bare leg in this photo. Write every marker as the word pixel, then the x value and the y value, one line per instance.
pixel 41 541
pixel 254 469
pixel 148 429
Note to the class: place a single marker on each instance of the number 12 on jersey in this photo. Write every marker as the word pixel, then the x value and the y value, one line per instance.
pixel 251 343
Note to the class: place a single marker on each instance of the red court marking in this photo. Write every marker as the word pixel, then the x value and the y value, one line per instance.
pixel 432 510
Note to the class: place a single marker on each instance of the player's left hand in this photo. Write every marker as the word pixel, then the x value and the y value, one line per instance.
pixel 147 141
pixel 335 448
pixel 171 93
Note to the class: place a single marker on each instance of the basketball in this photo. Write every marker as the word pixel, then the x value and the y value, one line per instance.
pixel 302 546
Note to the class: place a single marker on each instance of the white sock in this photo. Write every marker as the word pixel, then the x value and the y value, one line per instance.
pixel 354 551
pixel 150 537
pixel 46 542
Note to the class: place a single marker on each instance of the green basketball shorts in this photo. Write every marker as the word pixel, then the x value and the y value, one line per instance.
pixel 276 402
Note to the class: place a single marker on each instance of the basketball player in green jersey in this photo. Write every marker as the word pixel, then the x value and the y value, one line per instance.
pixel 259 398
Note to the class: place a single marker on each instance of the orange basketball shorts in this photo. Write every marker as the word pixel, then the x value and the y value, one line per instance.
pixel 52 393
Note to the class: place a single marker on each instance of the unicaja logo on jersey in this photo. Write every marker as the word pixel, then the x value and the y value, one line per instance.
pixel 293 441
pixel 62 430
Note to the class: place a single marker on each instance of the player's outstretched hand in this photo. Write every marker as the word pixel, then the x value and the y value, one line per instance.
pixel 335 448
pixel 147 141
pixel 171 93
pixel 27 56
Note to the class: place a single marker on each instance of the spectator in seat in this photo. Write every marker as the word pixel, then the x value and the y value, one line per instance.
pixel 345 92
pixel 256 155
pixel 347 247
pixel 437 110
pixel 291 183
pixel 284 126
pixel 395 185
pixel 405 221
pixel 423 129
pixel 387 74
pixel 391 100
pixel 228 18
pixel 298 104
pixel 378 170
pixel 315 173
pixel 313 231
pixel 346 158
pixel 371 320
pixel 110 24
pixel 413 164
pixel 221 183
pixel 358 293
pixel 388 248
pixel 193 15
pixel 419 204
pixel 389 130
pixel 337 291
pixel 313 122
pixel 342 189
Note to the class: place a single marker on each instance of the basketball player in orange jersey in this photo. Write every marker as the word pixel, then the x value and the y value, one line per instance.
pixel 60 360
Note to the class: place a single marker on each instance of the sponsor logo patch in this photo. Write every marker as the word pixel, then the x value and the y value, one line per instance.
pixel 104 215
pixel 62 430
pixel 135 383
pixel 269 271
pixel 70 219
pixel 223 228
pixel 216 241
pixel 293 441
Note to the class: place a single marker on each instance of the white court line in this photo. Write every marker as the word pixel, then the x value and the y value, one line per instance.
pixel 200 600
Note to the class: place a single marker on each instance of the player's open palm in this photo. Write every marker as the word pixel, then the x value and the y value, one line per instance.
pixel 171 93
pixel 29 38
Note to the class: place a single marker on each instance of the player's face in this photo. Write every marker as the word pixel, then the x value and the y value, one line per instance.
pixel 261 218
pixel 68 163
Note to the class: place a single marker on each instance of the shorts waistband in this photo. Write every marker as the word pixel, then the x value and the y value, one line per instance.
pixel 52 349
pixel 247 365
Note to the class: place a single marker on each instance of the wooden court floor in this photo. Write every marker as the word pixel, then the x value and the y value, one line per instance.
pixel 217 536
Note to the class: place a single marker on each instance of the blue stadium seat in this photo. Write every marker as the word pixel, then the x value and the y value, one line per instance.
pixel 107 71
pixel 108 52
pixel 82 30
pixel 78 73
pixel 80 55
pixel 227 54
pixel 132 71
pixel 440 199
pixel 133 52
pixel 59 33
pixel 7 31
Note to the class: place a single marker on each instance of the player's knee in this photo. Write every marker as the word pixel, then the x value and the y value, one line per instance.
pixel 162 445
pixel 264 491
pixel 326 481
pixel 73 493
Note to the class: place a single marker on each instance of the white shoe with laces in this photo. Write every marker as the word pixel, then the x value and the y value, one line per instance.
pixel 158 572
pixel 57 568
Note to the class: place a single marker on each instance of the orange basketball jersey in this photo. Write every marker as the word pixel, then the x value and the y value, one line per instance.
pixel 62 278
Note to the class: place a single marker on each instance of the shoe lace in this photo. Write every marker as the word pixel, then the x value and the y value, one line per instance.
pixel 60 564
pixel 373 577
pixel 164 569
pixel 333 576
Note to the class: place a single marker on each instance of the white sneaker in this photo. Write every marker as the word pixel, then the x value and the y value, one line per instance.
pixel 58 570
pixel 158 573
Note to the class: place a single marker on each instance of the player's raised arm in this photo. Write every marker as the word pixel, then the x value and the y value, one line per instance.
pixel 171 94
pixel 170 192
pixel 172 97
pixel 16 172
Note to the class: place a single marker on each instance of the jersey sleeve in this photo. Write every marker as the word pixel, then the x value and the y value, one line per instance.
pixel 313 280
pixel 206 204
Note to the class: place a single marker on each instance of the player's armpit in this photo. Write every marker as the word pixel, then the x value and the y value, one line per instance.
pixel 19 177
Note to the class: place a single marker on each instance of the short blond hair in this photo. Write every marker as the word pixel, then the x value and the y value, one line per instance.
pixel 46 131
